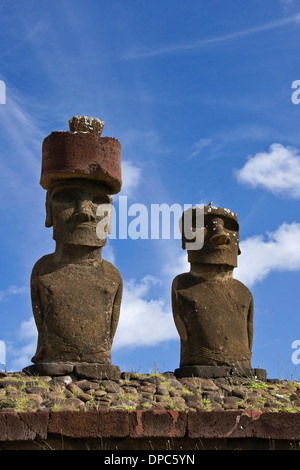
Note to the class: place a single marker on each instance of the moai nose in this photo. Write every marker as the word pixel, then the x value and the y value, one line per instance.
pixel 220 237
pixel 83 212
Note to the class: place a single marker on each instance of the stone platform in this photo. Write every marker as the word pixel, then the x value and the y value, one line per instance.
pixel 148 411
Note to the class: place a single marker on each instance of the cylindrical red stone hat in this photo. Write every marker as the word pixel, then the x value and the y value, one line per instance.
pixel 82 153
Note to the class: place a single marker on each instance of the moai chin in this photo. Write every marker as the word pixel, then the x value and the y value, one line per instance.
pixel 213 312
pixel 76 295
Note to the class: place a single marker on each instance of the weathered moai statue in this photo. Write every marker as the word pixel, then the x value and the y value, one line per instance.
pixel 212 311
pixel 76 295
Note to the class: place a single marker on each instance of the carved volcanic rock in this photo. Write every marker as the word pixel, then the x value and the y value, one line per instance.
pixel 76 295
pixel 76 309
pixel 216 317
pixel 212 311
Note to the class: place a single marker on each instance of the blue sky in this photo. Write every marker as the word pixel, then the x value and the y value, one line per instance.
pixel 199 95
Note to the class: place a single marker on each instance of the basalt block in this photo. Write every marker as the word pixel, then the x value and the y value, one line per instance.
pixel 49 368
pixel 97 371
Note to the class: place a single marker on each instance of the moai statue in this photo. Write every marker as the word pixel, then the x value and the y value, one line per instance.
pixel 76 295
pixel 212 311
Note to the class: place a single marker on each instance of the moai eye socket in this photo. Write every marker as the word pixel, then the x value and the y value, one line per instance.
pixel 101 199
pixel 231 224
pixel 63 196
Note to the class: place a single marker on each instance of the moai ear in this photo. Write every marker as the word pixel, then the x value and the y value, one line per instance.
pixel 49 219
pixel 239 252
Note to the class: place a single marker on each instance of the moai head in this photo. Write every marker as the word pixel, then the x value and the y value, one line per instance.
pixel 220 234
pixel 79 172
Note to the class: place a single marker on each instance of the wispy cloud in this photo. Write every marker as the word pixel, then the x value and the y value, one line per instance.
pixel 178 48
pixel 30 36
pixel 199 146
pixel 12 290
pixel 216 144
pixel 149 139
pixel 288 5
pixel 21 137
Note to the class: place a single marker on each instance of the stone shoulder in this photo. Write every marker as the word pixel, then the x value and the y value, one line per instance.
pixel 46 264
pixel 41 264
pixel 112 270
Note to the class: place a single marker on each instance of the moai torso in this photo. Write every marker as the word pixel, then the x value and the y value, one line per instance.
pixel 76 309
pixel 214 320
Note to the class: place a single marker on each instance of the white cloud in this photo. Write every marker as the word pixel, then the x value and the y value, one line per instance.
pixel 131 176
pixel 27 329
pixel 279 251
pixel 145 319
pixel 21 357
pixel 277 171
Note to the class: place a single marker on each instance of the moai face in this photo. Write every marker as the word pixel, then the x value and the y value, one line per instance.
pixel 72 208
pixel 221 238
